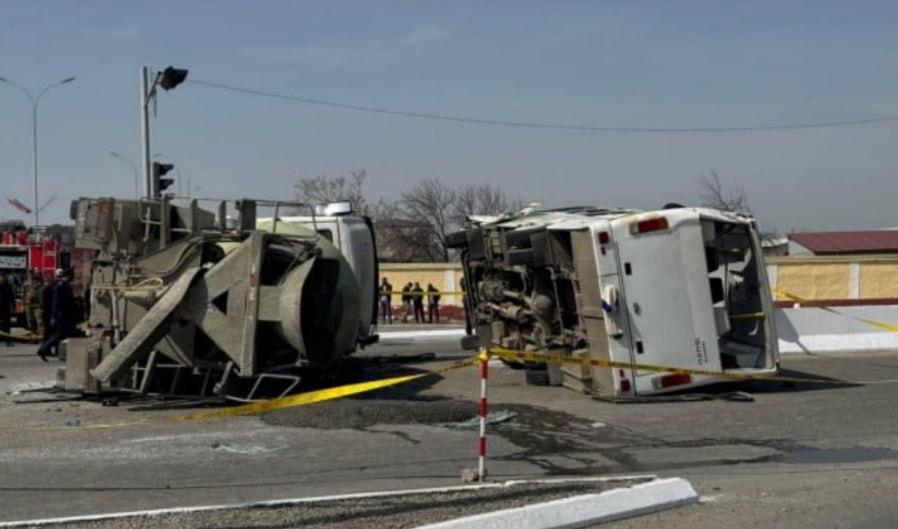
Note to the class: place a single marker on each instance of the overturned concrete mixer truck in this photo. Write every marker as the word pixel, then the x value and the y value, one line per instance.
pixel 680 288
pixel 187 301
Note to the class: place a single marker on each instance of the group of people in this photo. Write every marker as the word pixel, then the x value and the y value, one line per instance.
pixel 413 298
pixel 50 309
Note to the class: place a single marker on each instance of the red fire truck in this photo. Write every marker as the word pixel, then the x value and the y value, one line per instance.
pixel 23 250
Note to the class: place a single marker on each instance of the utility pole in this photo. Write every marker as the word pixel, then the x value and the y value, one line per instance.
pixel 145 131
pixel 35 99
pixel 167 79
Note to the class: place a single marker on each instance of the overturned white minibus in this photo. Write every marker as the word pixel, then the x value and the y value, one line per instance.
pixel 679 288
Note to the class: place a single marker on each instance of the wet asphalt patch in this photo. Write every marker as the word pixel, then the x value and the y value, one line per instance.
pixel 363 413
pixel 562 444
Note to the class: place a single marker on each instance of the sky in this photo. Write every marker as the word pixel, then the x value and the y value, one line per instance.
pixel 660 64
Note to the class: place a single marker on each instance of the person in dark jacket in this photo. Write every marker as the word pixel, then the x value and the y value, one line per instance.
pixel 7 308
pixel 63 316
pixel 46 301
pixel 433 303
pixel 386 297
pixel 418 300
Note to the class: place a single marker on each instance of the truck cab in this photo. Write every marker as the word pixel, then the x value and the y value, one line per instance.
pixel 679 288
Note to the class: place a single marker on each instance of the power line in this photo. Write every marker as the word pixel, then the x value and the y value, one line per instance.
pixel 544 125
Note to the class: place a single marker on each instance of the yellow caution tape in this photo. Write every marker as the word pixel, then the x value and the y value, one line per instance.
pixel 302 399
pixel 28 337
pixel 290 401
pixel 891 327
pixel 526 356
pixel 320 395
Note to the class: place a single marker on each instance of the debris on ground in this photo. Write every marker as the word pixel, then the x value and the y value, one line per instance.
pixel 244 450
pixel 363 413
pixel 493 417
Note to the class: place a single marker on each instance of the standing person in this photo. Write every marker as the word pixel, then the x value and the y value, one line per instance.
pixel 63 316
pixel 7 308
pixel 406 301
pixel 46 301
pixel 433 303
pixel 32 300
pixel 386 296
pixel 418 295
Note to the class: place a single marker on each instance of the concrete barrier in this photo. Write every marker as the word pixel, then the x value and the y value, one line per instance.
pixel 583 511
pixel 809 329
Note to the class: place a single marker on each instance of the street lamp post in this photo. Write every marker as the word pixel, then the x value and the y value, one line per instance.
pixel 35 99
pixel 133 165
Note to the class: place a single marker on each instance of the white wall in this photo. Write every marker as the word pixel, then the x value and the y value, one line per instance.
pixel 818 331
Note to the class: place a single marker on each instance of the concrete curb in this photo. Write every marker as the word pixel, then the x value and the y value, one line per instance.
pixel 585 510
pixel 299 501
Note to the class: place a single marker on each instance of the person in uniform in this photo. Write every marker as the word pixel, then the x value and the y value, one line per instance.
pixel 32 299
pixel 418 300
pixel 386 296
pixel 433 303
pixel 63 316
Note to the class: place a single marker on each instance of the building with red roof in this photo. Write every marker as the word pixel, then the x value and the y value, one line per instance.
pixel 844 242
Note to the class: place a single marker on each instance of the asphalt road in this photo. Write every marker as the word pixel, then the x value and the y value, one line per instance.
pixel 803 456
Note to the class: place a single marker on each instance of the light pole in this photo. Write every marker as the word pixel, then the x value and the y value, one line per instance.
pixel 133 165
pixel 35 99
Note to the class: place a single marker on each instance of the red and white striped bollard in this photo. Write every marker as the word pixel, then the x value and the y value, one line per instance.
pixel 484 374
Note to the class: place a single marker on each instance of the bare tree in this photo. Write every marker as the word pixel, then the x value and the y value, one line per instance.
pixel 715 195
pixel 430 201
pixel 407 241
pixel 414 227
pixel 324 189
pixel 400 239
pixel 481 199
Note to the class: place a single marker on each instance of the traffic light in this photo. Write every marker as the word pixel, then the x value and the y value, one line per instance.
pixel 172 77
pixel 161 184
